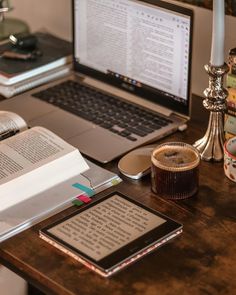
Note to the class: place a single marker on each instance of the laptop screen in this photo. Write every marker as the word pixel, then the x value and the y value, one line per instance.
pixel 143 47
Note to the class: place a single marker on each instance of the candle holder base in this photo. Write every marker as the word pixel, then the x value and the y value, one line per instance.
pixel 210 146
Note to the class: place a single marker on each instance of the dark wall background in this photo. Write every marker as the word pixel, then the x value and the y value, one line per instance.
pixel 230 5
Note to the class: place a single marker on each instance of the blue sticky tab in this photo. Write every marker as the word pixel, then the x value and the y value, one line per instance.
pixel 84 188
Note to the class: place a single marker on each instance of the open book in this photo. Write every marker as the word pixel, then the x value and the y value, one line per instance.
pixel 32 160
pixel 40 175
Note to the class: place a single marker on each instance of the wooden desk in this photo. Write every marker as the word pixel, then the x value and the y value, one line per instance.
pixel 201 261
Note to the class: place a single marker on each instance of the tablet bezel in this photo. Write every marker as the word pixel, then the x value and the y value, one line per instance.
pixel 150 238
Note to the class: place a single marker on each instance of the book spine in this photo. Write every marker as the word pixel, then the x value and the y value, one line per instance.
pixel 231 111
pixel 231 102
pixel 232 60
pixel 228 135
pixel 9 91
pixel 40 81
pixel 230 115
pixel 230 124
pixel 231 80
pixel 232 94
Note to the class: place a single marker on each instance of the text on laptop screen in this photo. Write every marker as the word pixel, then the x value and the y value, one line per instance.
pixel 143 45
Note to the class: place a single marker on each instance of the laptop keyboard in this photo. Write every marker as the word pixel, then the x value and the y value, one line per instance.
pixel 122 118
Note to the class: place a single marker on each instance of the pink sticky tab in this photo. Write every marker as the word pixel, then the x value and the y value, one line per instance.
pixel 79 196
pixel 84 199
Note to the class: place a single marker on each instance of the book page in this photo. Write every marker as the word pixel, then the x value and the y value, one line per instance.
pixel 106 227
pixel 34 161
pixel 30 150
pixel 10 124
pixel 57 198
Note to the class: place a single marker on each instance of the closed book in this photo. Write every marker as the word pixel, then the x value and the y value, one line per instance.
pixel 231 80
pixel 56 52
pixel 232 94
pixel 231 110
pixel 230 124
pixel 231 102
pixel 22 86
pixel 230 116
pixel 228 135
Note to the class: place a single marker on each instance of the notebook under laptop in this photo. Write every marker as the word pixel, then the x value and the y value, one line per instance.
pixel 137 51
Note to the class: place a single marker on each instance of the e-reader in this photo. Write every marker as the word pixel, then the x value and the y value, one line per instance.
pixel 111 233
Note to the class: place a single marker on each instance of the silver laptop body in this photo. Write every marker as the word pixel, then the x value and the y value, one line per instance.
pixel 138 51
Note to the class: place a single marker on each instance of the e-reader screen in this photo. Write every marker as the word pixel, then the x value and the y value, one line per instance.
pixel 106 227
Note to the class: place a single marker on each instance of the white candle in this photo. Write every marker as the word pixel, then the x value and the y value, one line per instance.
pixel 218 33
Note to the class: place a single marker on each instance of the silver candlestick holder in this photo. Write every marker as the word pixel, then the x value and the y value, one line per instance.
pixel 210 146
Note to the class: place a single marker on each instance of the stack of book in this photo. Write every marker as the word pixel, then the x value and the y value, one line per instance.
pixel 17 76
pixel 230 116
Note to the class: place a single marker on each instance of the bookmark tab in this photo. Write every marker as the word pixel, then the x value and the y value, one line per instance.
pixel 115 181
pixel 85 199
pixel 80 200
pixel 77 202
pixel 90 192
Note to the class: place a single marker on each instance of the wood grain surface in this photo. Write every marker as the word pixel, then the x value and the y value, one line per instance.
pixel 201 261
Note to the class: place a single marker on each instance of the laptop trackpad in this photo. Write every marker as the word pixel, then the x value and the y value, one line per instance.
pixel 62 123
pixel 99 145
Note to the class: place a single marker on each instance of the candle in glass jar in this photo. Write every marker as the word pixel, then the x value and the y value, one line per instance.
pixel 218 33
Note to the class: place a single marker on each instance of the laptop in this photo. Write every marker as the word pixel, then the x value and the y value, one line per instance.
pixel 131 79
